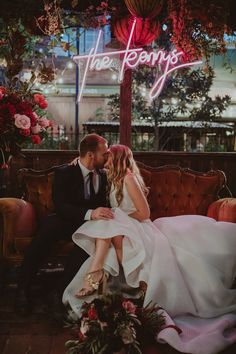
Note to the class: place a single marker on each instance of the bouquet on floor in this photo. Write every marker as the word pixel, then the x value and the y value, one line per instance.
pixel 112 323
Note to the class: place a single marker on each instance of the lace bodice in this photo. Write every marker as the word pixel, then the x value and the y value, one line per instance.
pixel 126 205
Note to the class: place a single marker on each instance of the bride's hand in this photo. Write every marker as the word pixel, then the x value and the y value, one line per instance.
pixel 102 214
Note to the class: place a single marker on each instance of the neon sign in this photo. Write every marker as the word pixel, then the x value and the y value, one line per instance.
pixel 131 58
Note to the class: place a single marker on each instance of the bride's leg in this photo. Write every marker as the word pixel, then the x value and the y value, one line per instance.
pixel 117 242
pixel 102 247
pixel 95 272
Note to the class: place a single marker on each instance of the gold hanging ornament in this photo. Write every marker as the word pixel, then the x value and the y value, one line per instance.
pixel 50 23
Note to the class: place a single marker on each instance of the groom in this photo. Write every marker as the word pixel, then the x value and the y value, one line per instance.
pixel 79 194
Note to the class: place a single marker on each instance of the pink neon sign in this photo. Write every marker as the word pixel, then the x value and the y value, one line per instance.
pixel 131 58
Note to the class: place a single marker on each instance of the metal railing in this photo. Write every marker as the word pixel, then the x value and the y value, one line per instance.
pixel 61 138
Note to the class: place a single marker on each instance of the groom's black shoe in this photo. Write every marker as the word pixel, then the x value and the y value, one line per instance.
pixel 56 306
pixel 22 302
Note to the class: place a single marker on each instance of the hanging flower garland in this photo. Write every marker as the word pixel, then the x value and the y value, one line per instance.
pixel 197 29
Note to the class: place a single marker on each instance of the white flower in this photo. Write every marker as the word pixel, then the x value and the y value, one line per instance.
pixel 84 326
pixel 22 121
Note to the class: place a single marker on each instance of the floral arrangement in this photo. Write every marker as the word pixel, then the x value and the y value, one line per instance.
pixel 22 120
pixel 113 323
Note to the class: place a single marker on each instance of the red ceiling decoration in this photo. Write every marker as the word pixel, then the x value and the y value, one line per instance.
pixel 144 33
pixel 144 8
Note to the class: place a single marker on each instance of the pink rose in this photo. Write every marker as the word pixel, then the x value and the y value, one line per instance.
pixel 36 129
pixel 22 121
pixel 44 122
pixel 129 306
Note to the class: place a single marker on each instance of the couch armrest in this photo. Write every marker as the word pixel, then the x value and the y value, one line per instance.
pixel 223 210
pixel 18 221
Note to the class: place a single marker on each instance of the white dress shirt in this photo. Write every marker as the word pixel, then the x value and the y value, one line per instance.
pixel 85 172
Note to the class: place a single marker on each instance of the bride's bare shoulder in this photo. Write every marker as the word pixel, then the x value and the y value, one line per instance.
pixel 130 178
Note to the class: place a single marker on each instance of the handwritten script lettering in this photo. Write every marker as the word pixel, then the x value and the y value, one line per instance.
pixel 131 58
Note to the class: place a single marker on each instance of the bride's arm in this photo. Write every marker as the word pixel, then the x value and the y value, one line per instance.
pixel 138 198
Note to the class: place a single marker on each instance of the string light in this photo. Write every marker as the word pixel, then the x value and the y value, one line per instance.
pixel 70 65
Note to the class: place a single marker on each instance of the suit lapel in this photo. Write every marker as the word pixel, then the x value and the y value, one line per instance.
pixel 79 181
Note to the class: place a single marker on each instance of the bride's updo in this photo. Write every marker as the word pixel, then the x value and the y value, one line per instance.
pixel 121 163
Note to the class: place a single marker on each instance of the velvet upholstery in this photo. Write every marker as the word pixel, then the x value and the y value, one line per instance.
pixel 172 191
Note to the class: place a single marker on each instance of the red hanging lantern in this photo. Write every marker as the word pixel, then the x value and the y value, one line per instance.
pixel 144 8
pixel 144 33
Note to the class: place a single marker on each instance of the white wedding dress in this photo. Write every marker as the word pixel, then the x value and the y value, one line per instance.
pixel 188 263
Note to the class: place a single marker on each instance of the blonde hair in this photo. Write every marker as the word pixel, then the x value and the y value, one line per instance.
pixel 122 162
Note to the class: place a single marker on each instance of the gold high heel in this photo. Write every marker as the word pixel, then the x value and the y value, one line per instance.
pixel 94 285
pixel 143 289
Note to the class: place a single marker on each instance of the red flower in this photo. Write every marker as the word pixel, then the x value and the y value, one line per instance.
pixel 92 314
pixel 129 306
pixel 13 98
pixel 7 110
pixel 43 104
pixel 33 117
pixel 3 90
pixel 24 108
pixel 24 132
pixel 4 166
pixel 81 336
pixel 40 100
pixel 36 139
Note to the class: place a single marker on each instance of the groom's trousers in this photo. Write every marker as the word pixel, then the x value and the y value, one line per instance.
pixel 51 231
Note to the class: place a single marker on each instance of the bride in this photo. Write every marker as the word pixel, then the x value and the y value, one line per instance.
pixel 186 264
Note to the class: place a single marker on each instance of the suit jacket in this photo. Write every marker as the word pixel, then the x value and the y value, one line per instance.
pixel 68 194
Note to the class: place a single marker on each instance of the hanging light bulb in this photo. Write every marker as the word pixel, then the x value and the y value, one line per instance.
pixel 70 65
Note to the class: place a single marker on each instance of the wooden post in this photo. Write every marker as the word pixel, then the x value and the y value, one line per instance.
pixel 125 108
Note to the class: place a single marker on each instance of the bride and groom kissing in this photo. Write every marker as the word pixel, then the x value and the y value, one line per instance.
pixel 186 264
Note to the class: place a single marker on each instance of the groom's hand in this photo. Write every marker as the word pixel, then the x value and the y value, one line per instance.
pixel 102 214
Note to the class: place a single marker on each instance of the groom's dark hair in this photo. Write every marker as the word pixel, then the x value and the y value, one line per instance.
pixel 90 143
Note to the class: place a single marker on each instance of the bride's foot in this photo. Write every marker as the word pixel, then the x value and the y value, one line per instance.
pixel 143 289
pixel 93 281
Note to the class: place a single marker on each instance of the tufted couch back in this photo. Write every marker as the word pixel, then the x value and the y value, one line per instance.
pixel 173 190
pixel 178 191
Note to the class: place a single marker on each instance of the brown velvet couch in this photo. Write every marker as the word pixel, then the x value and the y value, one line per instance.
pixel 173 191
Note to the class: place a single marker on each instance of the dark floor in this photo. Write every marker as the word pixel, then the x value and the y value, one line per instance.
pixel 39 333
